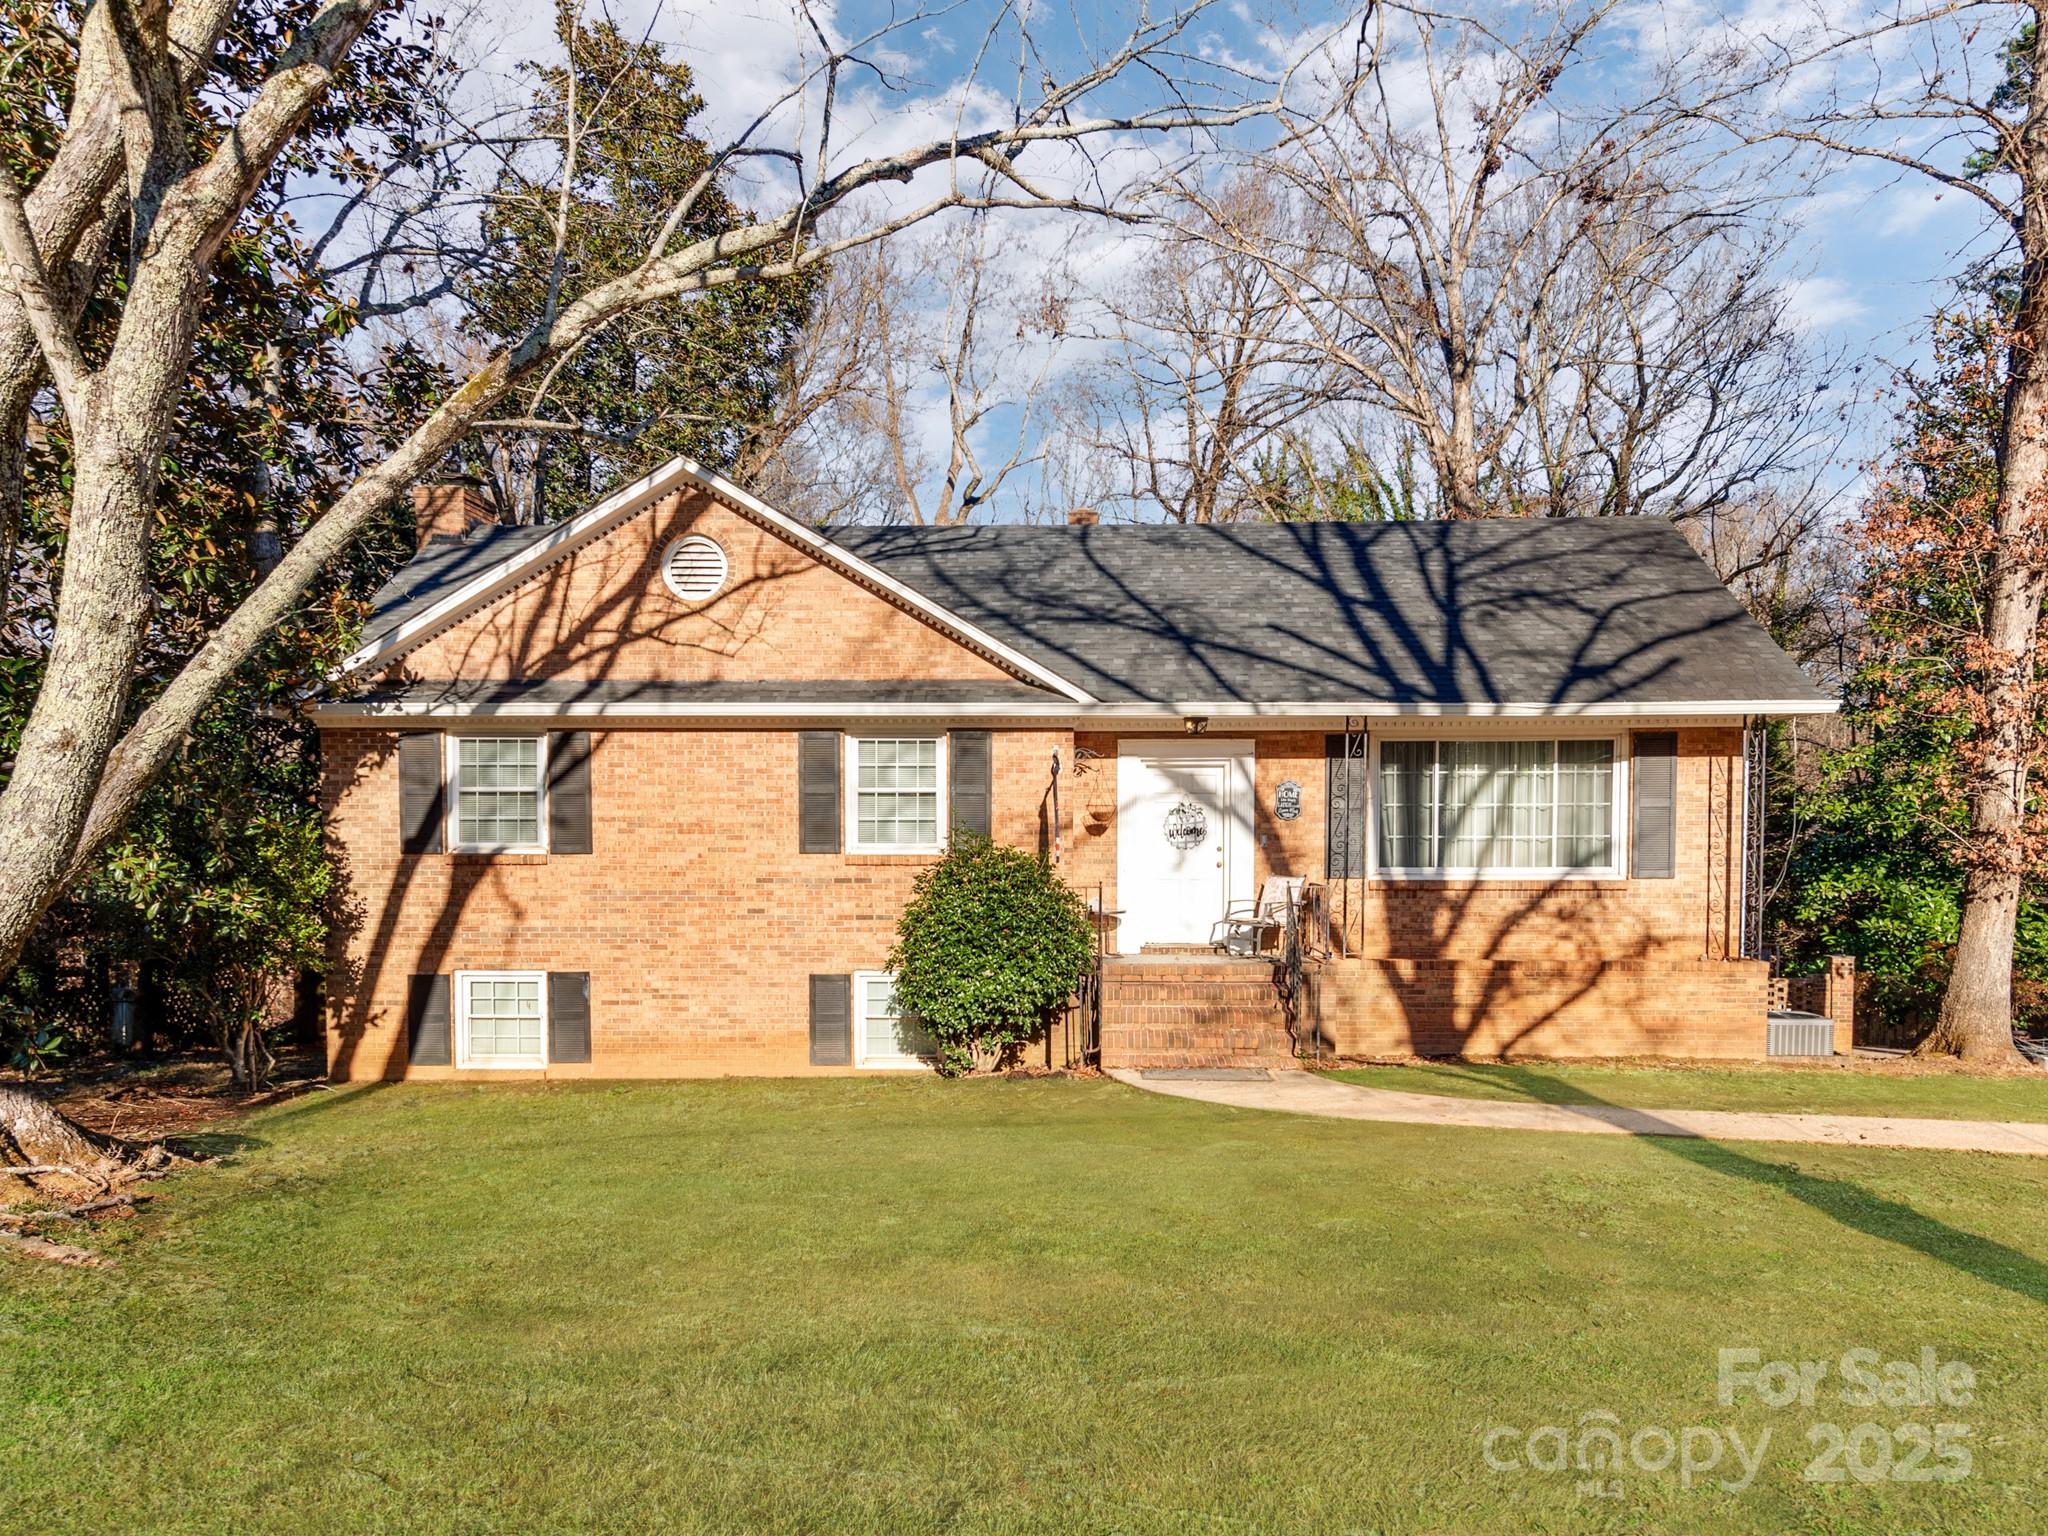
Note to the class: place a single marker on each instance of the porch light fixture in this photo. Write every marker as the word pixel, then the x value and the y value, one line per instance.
pixel 1195 725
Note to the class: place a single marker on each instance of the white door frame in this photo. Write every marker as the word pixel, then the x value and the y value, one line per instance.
pixel 1138 814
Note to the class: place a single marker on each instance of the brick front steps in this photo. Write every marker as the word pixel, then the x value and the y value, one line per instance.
pixel 1192 1010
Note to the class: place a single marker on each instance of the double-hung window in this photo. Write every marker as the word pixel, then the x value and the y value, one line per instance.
pixel 497 793
pixel 882 1037
pixel 895 794
pixel 501 1019
pixel 1537 808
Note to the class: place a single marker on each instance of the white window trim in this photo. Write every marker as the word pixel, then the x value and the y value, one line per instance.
pixel 861 1060
pixel 849 787
pixel 497 1063
pixel 451 774
pixel 1617 822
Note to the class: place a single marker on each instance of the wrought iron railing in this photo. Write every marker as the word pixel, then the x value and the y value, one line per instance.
pixel 1755 805
pixel 1084 1013
pixel 1343 906
pixel 1298 968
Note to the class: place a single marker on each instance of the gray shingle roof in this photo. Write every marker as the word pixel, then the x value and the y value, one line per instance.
pixel 1504 611
pixel 437 570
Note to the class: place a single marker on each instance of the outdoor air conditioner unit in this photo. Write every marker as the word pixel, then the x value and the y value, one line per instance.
pixel 1800 1034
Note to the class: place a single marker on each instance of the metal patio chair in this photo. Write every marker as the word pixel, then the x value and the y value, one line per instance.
pixel 1245 924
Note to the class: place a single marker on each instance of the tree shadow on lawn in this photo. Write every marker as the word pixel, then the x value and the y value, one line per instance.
pixel 1523 1080
pixel 326 1097
pixel 1840 1200
pixel 215 1146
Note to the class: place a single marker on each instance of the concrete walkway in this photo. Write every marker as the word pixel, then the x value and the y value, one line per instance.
pixel 1304 1093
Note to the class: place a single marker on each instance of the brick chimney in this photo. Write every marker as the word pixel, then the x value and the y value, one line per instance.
pixel 449 510
pixel 1083 517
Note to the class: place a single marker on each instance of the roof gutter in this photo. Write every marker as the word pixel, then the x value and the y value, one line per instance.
pixel 1178 714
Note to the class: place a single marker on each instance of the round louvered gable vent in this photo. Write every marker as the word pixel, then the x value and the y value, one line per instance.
pixel 694 568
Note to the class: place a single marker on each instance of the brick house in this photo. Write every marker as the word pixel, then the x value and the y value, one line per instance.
pixel 642 793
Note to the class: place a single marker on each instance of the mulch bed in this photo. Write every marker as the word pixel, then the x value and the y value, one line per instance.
pixel 151 1098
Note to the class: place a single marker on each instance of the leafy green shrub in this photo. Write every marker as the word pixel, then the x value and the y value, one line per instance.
pixel 992 942
pixel 221 883
pixel 31 1048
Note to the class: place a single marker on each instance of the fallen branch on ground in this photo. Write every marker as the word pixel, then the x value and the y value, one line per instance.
pixel 56 1253
pixel 72 1212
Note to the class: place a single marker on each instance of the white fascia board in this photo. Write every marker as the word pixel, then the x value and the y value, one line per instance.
pixel 630 499
pixel 514 569
pixel 622 712
pixel 1380 709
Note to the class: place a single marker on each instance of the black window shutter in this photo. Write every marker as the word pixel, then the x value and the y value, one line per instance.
pixel 817 768
pixel 831 1021
pixel 568 1016
pixel 569 791
pixel 426 1021
pixel 421 813
pixel 1344 802
pixel 969 775
pixel 1655 759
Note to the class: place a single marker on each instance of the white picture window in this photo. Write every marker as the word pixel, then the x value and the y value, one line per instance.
pixel 501 1018
pixel 895 794
pixel 882 1037
pixel 497 792
pixel 1501 808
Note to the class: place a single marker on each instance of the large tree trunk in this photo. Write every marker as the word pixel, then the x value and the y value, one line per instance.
pixel 1460 469
pixel 34 1135
pixel 102 608
pixel 1976 1008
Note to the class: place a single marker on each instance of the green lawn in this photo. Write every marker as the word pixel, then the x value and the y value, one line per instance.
pixel 1054 1305
pixel 1874 1090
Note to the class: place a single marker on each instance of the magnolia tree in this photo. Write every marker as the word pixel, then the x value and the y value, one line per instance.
pixel 1030 124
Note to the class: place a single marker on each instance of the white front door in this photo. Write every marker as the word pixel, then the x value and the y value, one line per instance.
pixel 1183 838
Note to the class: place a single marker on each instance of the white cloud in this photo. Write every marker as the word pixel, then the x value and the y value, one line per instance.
pixel 1822 303
pixel 1910 207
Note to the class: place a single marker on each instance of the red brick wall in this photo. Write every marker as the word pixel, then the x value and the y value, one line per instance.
pixel 700 922
pixel 696 917
pixel 1664 1007
pixel 1490 967
pixel 604 612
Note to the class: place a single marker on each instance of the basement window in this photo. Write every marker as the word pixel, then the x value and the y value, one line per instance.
pixel 884 1039
pixel 500 1019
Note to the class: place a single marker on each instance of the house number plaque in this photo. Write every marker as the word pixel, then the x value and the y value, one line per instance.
pixel 1287 800
pixel 1186 826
